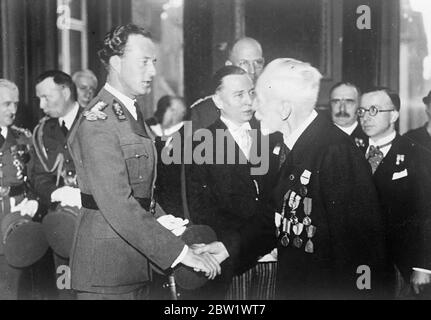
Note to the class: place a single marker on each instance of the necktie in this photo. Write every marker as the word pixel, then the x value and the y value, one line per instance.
pixel 139 116
pixel 2 140
pixel 374 157
pixel 246 141
pixel 64 128
pixel 284 151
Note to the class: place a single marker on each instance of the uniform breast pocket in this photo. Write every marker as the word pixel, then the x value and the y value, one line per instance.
pixel 137 160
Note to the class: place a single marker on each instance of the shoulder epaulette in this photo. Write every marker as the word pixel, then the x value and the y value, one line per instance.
pixel 96 112
pixel 200 101
pixel 23 131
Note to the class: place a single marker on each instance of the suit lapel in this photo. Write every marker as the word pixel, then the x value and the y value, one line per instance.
pixel 385 169
pixel 239 170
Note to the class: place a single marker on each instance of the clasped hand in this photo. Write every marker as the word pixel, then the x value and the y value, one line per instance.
pixel 206 258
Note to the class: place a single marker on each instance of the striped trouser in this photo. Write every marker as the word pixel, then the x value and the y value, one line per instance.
pixel 257 283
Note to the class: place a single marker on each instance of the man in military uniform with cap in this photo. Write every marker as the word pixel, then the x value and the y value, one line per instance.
pixel 247 54
pixel 14 193
pixel 118 235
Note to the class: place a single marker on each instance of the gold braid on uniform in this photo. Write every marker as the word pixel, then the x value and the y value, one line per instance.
pixel 41 152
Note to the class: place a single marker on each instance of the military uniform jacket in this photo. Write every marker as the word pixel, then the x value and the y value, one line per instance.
pixel 54 142
pixel 345 211
pixel 115 160
pixel 403 182
pixel 14 157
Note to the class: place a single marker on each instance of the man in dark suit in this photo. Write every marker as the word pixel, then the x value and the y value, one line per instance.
pixel 401 172
pixel 223 193
pixel 344 101
pixel 422 135
pixel 331 241
pixel 247 54
pixel 118 236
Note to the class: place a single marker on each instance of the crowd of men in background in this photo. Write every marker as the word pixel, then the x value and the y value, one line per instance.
pixel 342 211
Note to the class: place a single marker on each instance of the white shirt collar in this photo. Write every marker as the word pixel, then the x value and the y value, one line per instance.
pixel 233 127
pixel 4 131
pixel 158 131
pixel 125 100
pixel 348 130
pixel 70 117
pixel 383 141
pixel 240 134
pixel 290 140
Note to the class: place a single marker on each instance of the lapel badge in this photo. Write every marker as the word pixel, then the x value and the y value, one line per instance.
pixel 359 142
pixel 118 111
pixel 305 177
pixel 276 150
pixel 400 159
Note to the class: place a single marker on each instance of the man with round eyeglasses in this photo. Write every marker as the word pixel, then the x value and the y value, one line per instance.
pixel 402 177
pixel 344 102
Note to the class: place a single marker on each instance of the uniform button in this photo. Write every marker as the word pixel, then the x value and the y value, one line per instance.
pixel 136 155
pixel 1 153
pixel 67 160
pixel 291 177
pixel 257 199
pixel 1 165
pixel 65 146
pixel 70 173
pixel 140 177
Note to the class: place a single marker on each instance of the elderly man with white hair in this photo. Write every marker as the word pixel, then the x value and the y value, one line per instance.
pixel 329 229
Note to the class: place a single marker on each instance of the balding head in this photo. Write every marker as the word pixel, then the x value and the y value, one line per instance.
pixel 287 90
pixel 247 54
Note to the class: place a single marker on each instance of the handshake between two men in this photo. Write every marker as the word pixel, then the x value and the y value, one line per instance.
pixel 200 257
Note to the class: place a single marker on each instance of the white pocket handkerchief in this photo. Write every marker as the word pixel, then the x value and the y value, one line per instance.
pixel 399 175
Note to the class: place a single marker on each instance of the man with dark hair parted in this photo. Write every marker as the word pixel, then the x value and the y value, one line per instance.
pixel 118 234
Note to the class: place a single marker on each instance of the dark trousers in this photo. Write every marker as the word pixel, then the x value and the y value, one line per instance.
pixel 138 294
pixel 9 280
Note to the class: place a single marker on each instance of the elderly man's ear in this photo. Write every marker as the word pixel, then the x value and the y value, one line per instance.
pixel 285 110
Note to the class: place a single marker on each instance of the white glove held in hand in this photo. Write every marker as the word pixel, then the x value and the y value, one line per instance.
pixel 25 207
pixel 174 224
pixel 67 196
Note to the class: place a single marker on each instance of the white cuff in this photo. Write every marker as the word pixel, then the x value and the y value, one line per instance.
pixel 180 257
pixel 422 270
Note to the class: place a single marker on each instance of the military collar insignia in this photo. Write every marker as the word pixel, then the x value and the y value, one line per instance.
pixel 400 159
pixel 95 113
pixel 359 142
pixel 23 131
pixel 118 111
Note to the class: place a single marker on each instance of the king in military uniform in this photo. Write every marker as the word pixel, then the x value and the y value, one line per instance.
pixel 118 234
